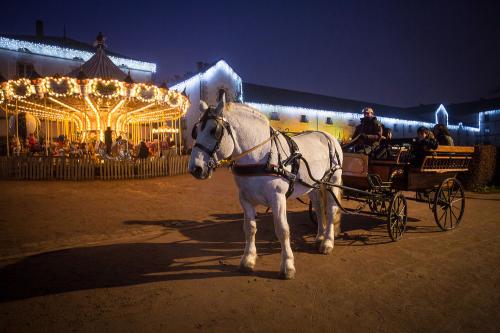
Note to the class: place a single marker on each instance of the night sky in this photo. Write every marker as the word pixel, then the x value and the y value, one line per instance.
pixel 400 53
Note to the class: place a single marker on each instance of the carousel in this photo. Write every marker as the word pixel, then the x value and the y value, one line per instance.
pixel 94 101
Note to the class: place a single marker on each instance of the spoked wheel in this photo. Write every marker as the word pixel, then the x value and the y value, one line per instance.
pixel 312 214
pixel 449 204
pixel 378 205
pixel 397 216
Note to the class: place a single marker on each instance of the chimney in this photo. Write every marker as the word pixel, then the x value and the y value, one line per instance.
pixel 39 28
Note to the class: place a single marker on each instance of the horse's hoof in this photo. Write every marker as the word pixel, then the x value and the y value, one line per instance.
pixel 245 269
pixel 246 266
pixel 289 274
pixel 319 239
pixel 326 247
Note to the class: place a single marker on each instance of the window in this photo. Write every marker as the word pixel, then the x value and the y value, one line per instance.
pixel 486 130
pixel 396 128
pixel 304 119
pixel 410 128
pixel 275 115
pixel 486 117
pixel 329 120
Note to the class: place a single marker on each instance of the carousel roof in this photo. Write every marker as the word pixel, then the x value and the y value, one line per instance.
pixel 99 66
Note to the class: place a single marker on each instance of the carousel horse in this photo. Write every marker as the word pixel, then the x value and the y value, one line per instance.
pixel 269 167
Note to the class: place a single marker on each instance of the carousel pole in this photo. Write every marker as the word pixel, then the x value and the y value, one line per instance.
pixel 17 123
pixel 179 131
pixel 7 131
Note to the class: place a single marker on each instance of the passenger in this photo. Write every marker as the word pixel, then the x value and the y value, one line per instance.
pixel 384 151
pixel 442 135
pixel 369 132
pixel 422 144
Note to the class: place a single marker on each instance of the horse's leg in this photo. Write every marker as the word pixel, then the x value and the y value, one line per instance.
pixel 333 220
pixel 249 257
pixel 314 197
pixel 282 230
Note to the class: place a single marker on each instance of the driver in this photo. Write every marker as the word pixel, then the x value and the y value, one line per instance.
pixel 369 132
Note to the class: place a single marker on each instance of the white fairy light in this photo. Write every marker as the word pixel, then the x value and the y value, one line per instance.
pixel 71 54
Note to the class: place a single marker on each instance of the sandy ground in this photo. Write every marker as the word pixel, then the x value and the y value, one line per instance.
pixel 162 255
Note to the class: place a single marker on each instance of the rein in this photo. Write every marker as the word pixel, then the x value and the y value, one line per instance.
pixel 233 159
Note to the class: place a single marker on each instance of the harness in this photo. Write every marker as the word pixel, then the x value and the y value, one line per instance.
pixel 293 160
pixel 267 169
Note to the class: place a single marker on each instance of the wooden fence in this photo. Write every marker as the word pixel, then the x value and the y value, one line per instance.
pixel 60 168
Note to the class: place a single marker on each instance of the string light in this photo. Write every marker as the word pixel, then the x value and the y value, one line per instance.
pixel 52 84
pixel 106 88
pixel 71 54
pixel 142 91
pixel 15 87
pixel 298 111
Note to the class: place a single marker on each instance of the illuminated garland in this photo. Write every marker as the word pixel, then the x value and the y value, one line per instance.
pixel 146 93
pixel 53 86
pixel 2 96
pixel 20 89
pixel 106 88
pixel 71 54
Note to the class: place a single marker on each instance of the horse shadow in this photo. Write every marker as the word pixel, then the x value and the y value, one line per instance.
pixel 210 249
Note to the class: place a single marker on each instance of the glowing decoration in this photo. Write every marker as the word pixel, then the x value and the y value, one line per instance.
pixel 117 106
pixel 344 116
pixel 146 93
pixel 195 81
pixel 71 54
pixel 2 96
pixel 165 130
pixel 60 87
pixel 20 89
pixel 441 113
pixel 106 88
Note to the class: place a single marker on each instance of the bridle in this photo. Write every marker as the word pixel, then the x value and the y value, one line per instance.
pixel 218 133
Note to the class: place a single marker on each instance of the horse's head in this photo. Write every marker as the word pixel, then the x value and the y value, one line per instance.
pixel 213 140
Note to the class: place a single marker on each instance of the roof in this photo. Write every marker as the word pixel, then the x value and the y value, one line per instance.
pixel 99 66
pixel 61 42
pixel 278 96
pixel 67 48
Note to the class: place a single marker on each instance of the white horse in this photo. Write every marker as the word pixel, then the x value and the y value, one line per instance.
pixel 242 134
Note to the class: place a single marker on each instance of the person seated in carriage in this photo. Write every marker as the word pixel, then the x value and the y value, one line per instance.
pixel 367 134
pixel 424 142
pixel 384 151
pixel 442 135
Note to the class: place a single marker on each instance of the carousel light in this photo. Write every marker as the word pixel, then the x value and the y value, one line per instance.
pixel 97 118
pixel 142 88
pixel 98 88
pixel 110 114
pixel 14 85
pixel 71 54
pixel 72 86
pixel 2 96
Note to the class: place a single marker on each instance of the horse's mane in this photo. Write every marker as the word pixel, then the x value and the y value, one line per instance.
pixel 246 110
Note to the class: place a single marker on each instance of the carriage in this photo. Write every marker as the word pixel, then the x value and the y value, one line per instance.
pixel 385 186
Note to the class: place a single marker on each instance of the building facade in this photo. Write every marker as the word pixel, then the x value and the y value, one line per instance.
pixel 294 111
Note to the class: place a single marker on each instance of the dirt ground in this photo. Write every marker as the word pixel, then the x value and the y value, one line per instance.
pixel 162 254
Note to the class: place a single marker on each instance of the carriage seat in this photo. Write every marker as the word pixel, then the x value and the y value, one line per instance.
pixel 447 159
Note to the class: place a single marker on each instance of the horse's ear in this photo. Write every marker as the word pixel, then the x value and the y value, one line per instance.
pixel 222 104
pixel 203 106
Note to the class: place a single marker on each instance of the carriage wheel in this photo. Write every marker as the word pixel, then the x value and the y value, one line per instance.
pixel 378 206
pixel 449 204
pixel 397 216
pixel 312 214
